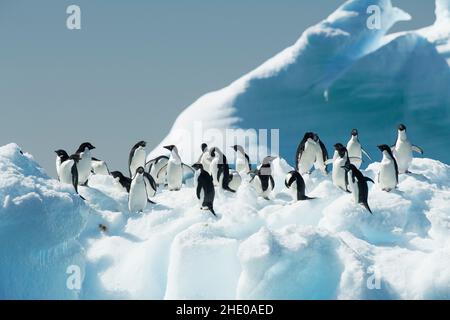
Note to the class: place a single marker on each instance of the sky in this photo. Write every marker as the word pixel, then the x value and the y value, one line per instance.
pixel 135 65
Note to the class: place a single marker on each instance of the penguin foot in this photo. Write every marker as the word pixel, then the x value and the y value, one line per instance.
pixel 267 198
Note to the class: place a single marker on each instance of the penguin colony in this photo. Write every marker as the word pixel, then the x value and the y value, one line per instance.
pixel 212 170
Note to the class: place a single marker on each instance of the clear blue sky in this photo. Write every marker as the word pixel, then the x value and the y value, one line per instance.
pixel 135 64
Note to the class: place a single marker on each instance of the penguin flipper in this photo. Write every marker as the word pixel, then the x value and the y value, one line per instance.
pixel 198 190
pixel 365 205
pixel 188 167
pixel 417 149
pixel 210 208
pixel 369 180
pixel 74 172
pixel 161 170
pixel 366 153
pixel 150 201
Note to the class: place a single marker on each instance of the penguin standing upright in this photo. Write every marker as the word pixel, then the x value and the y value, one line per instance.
pixel 294 182
pixel 99 167
pixel 306 154
pixel 340 159
pixel 321 155
pixel 136 158
pixel 139 196
pixel 263 181
pixel 61 156
pixel 355 150
pixel 220 169
pixel 205 158
pixel 403 150
pixel 84 164
pixel 358 181
pixel 388 175
pixel 204 188
pixel 242 160
pixel 68 171
pixel 125 182
pixel 173 169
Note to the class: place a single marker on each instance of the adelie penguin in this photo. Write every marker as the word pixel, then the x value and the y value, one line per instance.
pixel 61 156
pixel 242 160
pixel 358 182
pixel 173 169
pixel 388 175
pixel 205 158
pixel 125 182
pixel 306 154
pixel 340 159
pixel 355 150
pixel 142 188
pixel 204 188
pixel 403 150
pixel 68 171
pixel 99 167
pixel 220 170
pixel 84 165
pixel 321 155
pixel 294 182
pixel 262 180
pixel 136 158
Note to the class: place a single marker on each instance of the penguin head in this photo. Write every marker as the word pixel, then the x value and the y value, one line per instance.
pixel 204 147
pixel 140 170
pixel 384 147
pixel 341 150
pixel 197 166
pixel 84 146
pixel 62 154
pixel 401 127
pixel 170 148
pixel 269 159
pixel 308 136
pixel 316 137
pixel 140 144
pixel 354 132
pixel 238 148
pixel 338 146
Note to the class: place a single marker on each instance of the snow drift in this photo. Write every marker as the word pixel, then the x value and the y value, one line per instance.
pixel 337 76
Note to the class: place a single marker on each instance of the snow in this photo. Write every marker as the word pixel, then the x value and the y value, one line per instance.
pixel 326 248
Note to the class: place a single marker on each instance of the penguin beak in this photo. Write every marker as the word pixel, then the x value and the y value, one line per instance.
pixel 168 148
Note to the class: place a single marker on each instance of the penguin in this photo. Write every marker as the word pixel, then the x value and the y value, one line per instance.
pixel 136 158
pixel 235 180
pixel 125 182
pixel 358 182
pixel 204 188
pixel 61 156
pixel 340 159
pixel 388 175
pixel 173 169
pixel 205 158
pixel 355 150
pixel 84 164
pixel 262 180
pixel 141 189
pixel 220 169
pixel 68 172
pixel 99 167
pixel 154 166
pixel 403 150
pixel 321 155
pixel 242 160
pixel 294 182
pixel 306 154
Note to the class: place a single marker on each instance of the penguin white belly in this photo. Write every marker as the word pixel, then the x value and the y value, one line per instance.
pixel 84 167
pixel 58 166
pixel 137 161
pixel 65 172
pixel 403 155
pixel 241 164
pixel 339 173
pixel 174 175
pixel 214 170
pixel 206 162
pixel 137 199
pixel 387 176
pixel 355 154
pixel 307 159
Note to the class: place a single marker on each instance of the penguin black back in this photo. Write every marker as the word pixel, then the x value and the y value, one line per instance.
pixel 297 178
pixel 124 181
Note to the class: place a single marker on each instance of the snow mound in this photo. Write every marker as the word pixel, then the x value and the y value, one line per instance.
pixel 338 75
pixel 39 223
pixel 326 248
